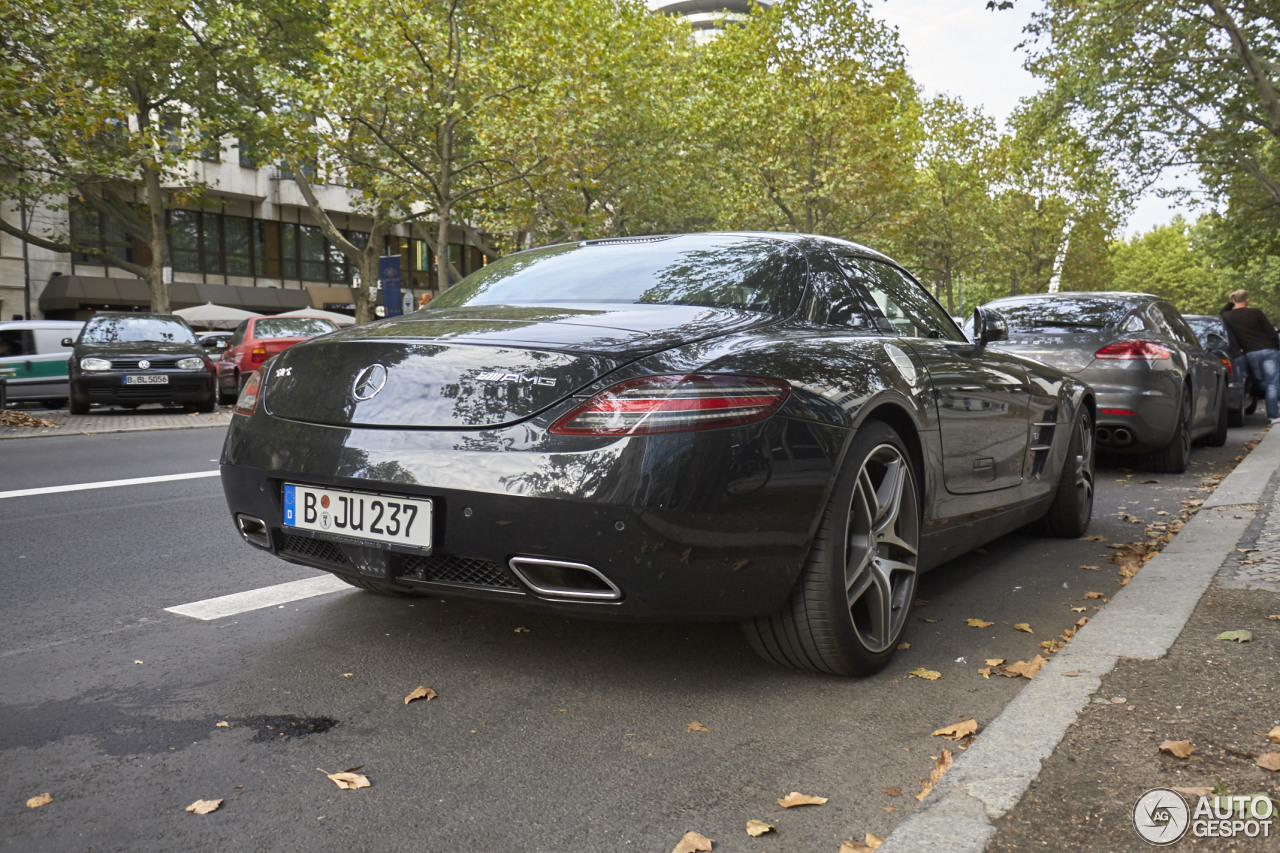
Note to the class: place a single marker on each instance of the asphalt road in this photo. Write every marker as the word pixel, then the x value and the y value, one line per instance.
pixel 547 734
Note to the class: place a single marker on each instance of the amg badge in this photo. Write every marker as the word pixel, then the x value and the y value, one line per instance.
pixel 518 378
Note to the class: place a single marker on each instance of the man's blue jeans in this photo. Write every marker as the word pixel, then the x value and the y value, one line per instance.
pixel 1264 366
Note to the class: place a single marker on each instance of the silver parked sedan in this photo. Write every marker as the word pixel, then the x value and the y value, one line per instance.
pixel 1157 389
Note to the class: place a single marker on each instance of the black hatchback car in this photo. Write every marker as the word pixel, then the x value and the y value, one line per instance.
pixel 129 359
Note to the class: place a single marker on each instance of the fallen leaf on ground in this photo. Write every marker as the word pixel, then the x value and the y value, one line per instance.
pixel 41 800
pixel 222 724
pixel 902 647
pixel 920 602
pixel 957 731
pixel 853 845
pixel 349 779
pixel 1237 636
pixel 979 623
pixel 1274 735
pixel 756 828
pixel 1026 668
pixel 1092 595
pixel 942 766
pixel 927 674
pixel 1270 761
pixel 1024 627
pixel 1094 538
pixel 1275 616
pixel 692 843
pixel 994 661
pixel 1092 568
pixel 696 726
pixel 204 806
pixel 1177 748
pixel 420 693
pixel 1078 609
pixel 892 790
pixel 984 671
pixel 1193 792
pixel 522 630
pixel 795 798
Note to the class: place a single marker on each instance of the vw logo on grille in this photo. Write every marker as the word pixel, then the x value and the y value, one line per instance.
pixel 143 364
pixel 369 382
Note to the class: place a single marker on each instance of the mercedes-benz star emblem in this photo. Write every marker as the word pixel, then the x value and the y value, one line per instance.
pixel 369 382
pixel 143 364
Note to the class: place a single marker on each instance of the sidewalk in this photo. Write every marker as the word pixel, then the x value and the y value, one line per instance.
pixel 1063 766
pixel 146 417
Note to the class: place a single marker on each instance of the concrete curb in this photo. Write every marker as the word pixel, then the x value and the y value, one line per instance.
pixel 145 421
pixel 990 778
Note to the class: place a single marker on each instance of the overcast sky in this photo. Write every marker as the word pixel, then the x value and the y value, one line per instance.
pixel 961 48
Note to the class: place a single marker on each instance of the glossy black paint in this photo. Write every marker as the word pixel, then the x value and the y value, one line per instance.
pixel 700 525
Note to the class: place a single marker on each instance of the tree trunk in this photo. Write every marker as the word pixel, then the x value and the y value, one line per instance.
pixel 160 271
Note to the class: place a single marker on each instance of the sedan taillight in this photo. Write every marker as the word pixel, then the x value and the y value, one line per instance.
pixel 257 355
pixel 1134 350
pixel 247 402
pixel 681 403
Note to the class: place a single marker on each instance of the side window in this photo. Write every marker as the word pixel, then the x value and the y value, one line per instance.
pixel 16 342
pixel 1133 323
pixel 836 300
pixel 907 307
pixel 238 337
pixel 1177 325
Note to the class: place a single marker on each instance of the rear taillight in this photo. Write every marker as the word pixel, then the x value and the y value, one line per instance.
pixel 1134 350
pixel 680 403
pixel 247 402
pixel 257 355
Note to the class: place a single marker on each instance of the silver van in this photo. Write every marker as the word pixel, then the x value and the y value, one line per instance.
pixel 33 361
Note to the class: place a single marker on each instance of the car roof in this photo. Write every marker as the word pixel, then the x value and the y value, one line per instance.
pixel 778 236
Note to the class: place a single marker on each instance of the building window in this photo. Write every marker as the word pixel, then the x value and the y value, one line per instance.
pixel 90 230
pixel 236 234
pixel 311 253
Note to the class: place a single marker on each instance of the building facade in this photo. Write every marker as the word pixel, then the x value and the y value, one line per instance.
pixel 708 17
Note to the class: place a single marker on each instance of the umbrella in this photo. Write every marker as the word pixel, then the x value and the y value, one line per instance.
pixel 210 316
pixel 340 319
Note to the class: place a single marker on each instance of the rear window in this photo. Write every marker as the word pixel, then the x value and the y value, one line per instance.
pixel 109 330
pixel 713 270
pixel 1064 314
pixel 292 327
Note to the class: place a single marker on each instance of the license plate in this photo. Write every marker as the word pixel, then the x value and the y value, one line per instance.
pixel 151 379
pixel 359 515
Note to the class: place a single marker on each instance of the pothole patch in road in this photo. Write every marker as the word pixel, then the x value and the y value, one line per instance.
pixel 286 727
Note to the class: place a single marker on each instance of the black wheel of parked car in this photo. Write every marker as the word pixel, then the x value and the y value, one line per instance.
pixel 1218 437
pixel 851 604
pixel 78 405
pixel 1072 507
pixel 1173 457
pixel 1235 417
pixel 376 587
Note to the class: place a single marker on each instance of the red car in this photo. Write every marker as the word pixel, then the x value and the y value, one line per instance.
pixel 255 341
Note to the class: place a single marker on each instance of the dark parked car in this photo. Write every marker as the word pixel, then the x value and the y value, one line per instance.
pixel 129 359
pixel 776 429
pixel 1158 390
pixel 256 340
pixel 1242 393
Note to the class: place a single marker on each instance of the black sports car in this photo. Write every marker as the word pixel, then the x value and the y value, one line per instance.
pixel 777 429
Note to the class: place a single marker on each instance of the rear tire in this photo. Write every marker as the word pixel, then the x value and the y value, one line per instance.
pixel 850 607
pixel 204 407
pixel 1218 437
pixel 1173 457
pixel 1072 508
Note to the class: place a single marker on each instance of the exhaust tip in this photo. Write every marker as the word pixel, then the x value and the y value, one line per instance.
pixel 1122 437
pixel 254 531
pixel 1104 435
pixel 561 579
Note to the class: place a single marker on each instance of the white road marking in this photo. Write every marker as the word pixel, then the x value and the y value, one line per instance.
pixel 256 599
pixel 105 484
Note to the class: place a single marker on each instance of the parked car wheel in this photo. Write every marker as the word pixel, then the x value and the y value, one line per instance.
pixel 78 406
pixel 1218 437
pixel 1173 457
pixel 851 605
pixel 1072 507
pixel 204 407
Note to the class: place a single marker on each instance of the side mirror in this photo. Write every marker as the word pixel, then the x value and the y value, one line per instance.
pixel 68 342
pixel 989 326
pixel 1214 341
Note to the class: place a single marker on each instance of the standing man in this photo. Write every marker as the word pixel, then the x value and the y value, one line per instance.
pixel 1261 345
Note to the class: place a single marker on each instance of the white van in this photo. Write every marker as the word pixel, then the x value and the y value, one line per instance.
pixel 33 361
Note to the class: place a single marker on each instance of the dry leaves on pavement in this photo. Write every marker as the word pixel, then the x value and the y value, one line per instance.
pixel 756 828
pixel 41 800
pixel 853 845
pixel 943 764
pixel 1236 636
pixel 1024 627
pixel 1274 735
pixel 204 806
pixel 958 731
pixel 1270 761
pixel 795 798
pixel 696 726
pixel 420 693
pixel 892 790
pixel 1025 668
pixel 979 623
pixel 693 842
pixel 926 674
pixel 1177 748
pixel 349 779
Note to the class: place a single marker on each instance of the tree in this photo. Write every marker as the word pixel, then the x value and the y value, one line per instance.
pixel 1178 82
pixel 1164 261
pixel 107 104
pixel 814 120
